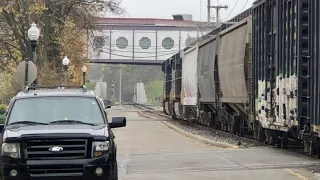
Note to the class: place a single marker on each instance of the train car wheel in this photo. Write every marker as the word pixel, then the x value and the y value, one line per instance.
pixel 284 140
pixel 306 146
pixel 224 126
pixel 278 138
pixel 314 146
pixel 261 133
pixel 241 128
pixel 267 136
pixel 233 127
pixel 318 148
pixel 271 136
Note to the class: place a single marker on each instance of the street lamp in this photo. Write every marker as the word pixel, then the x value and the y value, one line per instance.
pixel 33 35
pixel 65 63
pixel 84 70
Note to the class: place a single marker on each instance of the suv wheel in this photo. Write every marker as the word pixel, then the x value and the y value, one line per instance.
pixel 115 175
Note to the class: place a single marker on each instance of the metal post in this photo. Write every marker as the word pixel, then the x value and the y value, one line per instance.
pixel 179 40
pixel 110 45
pixel 88 40
pixel 120 85
pixel 65 75
pixel 133 44
pixel 26 72
pixel 217 16
pixel 156 44
pixel 101 73
pixel 134 93
pixel 84 78
pixel 34 57
pixel 209 7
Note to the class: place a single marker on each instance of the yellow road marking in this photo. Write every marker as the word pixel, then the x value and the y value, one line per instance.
pixel 296 174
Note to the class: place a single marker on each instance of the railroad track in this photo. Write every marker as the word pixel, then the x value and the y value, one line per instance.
pixel 293 146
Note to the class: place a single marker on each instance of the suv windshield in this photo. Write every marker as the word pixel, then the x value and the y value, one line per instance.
pixel 56 109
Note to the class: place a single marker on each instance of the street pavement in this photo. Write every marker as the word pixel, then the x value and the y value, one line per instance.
pixel 147 149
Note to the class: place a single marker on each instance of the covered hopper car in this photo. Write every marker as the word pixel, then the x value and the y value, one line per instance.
pixel 259 76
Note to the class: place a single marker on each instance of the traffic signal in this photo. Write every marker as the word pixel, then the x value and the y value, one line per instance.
pixel 112 86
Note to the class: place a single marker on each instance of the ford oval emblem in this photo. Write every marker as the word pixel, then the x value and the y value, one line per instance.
pixel 56 149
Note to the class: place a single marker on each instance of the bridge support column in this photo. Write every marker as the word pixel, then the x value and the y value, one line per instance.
pixel 120 82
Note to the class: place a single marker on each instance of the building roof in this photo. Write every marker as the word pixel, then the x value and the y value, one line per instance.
pixel 150 22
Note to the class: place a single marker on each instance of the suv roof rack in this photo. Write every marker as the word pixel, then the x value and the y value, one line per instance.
pixel 28 88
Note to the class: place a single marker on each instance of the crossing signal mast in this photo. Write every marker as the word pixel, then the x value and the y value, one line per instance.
pixel 112 86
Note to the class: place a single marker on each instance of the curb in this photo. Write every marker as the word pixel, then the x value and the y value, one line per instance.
pixel 197 137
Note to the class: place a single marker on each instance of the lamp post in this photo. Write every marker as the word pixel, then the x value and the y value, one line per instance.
pixel 65 63
pixel 26 72
pixel 33 35
pixel 84 70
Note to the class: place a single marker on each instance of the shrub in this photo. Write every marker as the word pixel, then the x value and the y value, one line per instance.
pixel 3 108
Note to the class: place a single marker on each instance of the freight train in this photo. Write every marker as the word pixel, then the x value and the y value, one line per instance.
pixel 260 75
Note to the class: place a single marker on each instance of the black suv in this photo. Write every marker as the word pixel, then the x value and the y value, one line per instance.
pixel 58 133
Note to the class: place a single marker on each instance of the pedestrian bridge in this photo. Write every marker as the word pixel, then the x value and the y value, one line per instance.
pixel 140 41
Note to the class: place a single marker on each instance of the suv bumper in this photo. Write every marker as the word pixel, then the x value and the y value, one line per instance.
pixel 58 169
pixel 88 173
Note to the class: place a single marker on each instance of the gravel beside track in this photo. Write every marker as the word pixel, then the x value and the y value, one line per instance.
pixel 217 136
pixel 212 134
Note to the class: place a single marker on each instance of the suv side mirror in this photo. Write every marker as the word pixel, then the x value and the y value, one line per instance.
pixel 108 106
pixel 117 122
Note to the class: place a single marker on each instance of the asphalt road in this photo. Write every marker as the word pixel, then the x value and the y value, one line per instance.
pixel 147 149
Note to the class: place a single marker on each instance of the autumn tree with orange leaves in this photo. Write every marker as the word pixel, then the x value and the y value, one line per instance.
pixel 63 31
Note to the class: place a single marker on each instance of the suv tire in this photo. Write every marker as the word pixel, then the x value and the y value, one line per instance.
pixel 115 175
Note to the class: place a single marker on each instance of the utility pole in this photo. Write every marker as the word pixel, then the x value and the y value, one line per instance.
pixel 217 11
pixel 209 7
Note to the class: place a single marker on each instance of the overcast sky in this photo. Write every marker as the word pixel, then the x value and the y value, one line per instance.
pixel 165 8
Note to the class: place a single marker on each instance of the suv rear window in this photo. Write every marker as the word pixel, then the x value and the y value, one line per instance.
pixel 47 109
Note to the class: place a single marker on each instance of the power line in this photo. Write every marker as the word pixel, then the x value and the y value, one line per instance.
pixel 244 5
pixel 231 10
